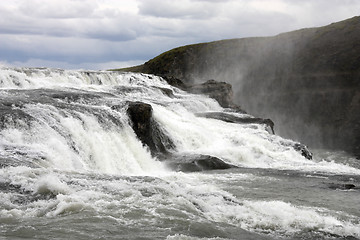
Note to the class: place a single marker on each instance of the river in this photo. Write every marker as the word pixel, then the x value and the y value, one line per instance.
pixel 71 167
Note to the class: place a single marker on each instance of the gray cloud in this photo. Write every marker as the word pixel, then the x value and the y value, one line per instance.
pixel 82 19
pixel 94 32
pixel 65 9
pixel 178 9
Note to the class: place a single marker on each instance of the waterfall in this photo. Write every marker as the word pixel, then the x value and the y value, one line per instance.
pixel 68 145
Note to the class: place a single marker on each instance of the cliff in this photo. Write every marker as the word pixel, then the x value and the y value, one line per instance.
pixel 307 81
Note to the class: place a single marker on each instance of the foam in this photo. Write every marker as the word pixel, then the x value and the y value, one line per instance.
pixel 86 162
pixel 32 78
pixel 185 237
pixel 51 184
pixel 241 145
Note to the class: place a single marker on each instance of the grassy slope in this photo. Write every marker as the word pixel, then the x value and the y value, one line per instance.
pixel 174 61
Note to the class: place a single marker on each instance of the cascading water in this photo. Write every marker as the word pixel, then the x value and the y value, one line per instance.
pixel 72 167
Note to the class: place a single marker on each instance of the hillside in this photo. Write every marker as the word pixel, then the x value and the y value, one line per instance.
pixel 307 81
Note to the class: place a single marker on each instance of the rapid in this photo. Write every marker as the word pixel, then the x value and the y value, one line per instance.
pixel 72 167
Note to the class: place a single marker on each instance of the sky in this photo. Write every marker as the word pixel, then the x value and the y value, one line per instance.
pixel 105 34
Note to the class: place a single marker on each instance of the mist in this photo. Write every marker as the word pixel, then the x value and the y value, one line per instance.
pixel 305 81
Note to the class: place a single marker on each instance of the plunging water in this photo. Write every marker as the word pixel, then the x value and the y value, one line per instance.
pixel 73 168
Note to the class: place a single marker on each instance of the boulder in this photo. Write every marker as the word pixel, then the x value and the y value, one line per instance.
pixel 150 134
pixel 196 163
pixel 342 186
pixel 140 114
pixel 220 91
pixel 302 149
pixel 147 129
pixel 173 81
pixel 166 91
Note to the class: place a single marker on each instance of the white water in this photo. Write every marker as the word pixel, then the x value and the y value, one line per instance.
pixel 78 156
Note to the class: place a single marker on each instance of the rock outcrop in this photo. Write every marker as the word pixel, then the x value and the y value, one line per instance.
pixel 220 91
pixel 303 150
pixel 161 146
pixel 196 163
pixel 247 119
pixel 147 129
pixel 242 120
pixel 344 186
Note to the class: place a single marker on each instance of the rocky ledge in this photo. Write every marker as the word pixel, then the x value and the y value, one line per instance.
pixel 147 129
pixel 196 163
pixel 220 91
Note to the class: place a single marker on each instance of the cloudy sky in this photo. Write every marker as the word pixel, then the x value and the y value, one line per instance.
pixel 103 34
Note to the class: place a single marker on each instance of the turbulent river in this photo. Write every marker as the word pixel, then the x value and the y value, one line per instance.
pixel 72 167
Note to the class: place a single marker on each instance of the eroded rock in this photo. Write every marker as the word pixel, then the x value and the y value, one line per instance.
pixel 147 129
pixel 342 186
pixel 220 91
pixel 196 163
pixel 301 148
pixel 226 117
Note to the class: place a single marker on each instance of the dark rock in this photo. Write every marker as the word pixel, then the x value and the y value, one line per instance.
pixel 196 163
pixel 23 196
pixel 140 114
pixel 14 162
pixel 235 109
pixel 13 116
pixel 167 92
pixel 151 134
pixel 342 186
pixel 220 91
pixel 226 117
pixel 303 150
pixel 173 81
pixel 161 141
pixel 147 129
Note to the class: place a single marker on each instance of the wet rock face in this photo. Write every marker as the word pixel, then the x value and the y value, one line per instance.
pixel 140 114
pixel 342 186
pixel 196 163
pixel 220 91
pixel 173 81
pixel 301 148
pixel 147 129
pixel 150 133
pixel 241 120
pixel 226 117
pixel 10 116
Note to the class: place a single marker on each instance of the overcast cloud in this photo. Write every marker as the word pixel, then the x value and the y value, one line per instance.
pixel 103 34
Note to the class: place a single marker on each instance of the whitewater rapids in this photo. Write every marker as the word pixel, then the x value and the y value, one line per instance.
pixel 72 167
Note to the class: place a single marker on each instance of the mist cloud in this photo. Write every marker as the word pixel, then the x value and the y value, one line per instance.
pixel 178 9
